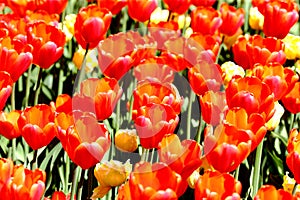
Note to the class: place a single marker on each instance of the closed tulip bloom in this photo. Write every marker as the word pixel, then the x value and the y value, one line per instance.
pixel 206 20
pixel 291 101
pixel 279 14
pixel 269 192
pixel 232 18
pixel 178 6
pixel 216 185
pixel 48 43
pixel 86 141
pixel 37 125
pixel 126 140
pixel 153 121
pixel 114 6
pixel 145 8
pixel 92 23
pixel 293 157
pixel 6 84
pixel 151 181
pixel 256 19
pixel 229 70
pixel 291 46
pixel 52 7
pixel 9 124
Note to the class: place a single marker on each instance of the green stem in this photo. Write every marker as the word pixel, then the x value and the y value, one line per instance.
pixel 237 172
pixel 198 136
pixel 27 91
pixel 295 189
pixel 80 185
pixel 76 176
pixel 34 161
pixel 124 20
pixel 81 72
pixel 256 177
pixel 38 87
pixel 90 181
pixel 152 155
pixel 13 148
pixel 67 159
pixel 189 114
pixel 60 82
pixel 13 97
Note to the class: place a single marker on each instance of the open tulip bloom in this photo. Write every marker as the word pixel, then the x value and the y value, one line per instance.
pixel 149 99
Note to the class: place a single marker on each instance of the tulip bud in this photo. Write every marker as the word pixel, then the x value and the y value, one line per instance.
pixel 126 140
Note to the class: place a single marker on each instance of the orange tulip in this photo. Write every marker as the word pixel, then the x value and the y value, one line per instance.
pixel 37 125
pixel 114 55
pixel 183 157
pixel 86 141
pixel 5 88
pixel 269 192
pixel 114 6
pixel 156 181
pixel 12 61
pixel 291 101
pixel 92 23
pixel 103 93
pixel 178 6
pixel 206 20
pixel 252 95
pixel 152 91
pixel 20 8
pixel 145 8
pixel 232 18
pixel 126 140
pixel 215 185
pixel 281 14
pixel 48 43
pixel 249 50
pixel 280 79
pixel 213 107
pixel 293 157
pixel 63 103
pixel 153 121
pixel 21 183
pixel 52 7
pixel 9 124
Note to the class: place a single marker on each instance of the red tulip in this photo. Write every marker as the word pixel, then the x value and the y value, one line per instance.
pixel 52 7
pixel 281 14
pixel 216 185
pixel 269 192
pixel 86 141
pixel 20 8
pixel 114 6
pixel 145 8
pixel 91 25
pixel 156 181
pixel 291 101
pixel 232 17
pixel 37 125
pixel 5 88
pixel 206 3
pixel 103 95
pixel 178 6
pixel 59 195
pixel 9 124
pixel 206 20
pixel 183 157
pixel 153 121
pixel 293 157
pixel 250 50
pixel 280 79
pixel 48 43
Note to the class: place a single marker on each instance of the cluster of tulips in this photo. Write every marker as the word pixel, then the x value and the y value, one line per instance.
pixel 240 61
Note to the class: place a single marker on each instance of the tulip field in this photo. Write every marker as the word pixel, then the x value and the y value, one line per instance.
pixel 149 99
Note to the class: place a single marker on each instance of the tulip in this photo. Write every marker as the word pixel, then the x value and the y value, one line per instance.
pixel 206 3
pixel 101 96
pixel 269 192
pixel 145 8
pixel 291 45
pixel 216 185
pixel 151 181
pixel 230 70
pixel 9 124
pixel 256 19
pixel 52 7
pixel 114 6
pixel 250 50
pixel 48 43
pixel 37 125
pixel 293 157
pixel 6 84
pixel 291 101
pixel 178 6
pixel 91 25
pixel 182 157
pixel 279 14
pixel 126 140
pixel 153 121
pixel 110 174
pixel 59 195
pixel 86 141
pixel 20 8
pixel 232 19
pixel 206 20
